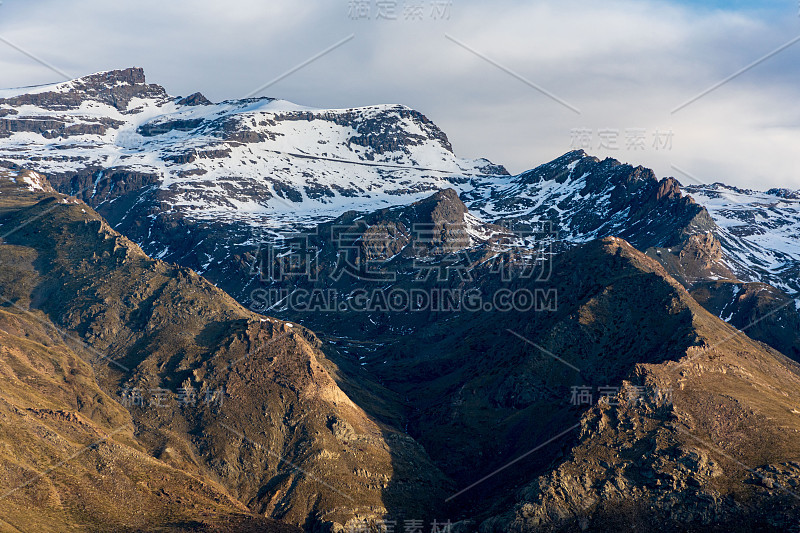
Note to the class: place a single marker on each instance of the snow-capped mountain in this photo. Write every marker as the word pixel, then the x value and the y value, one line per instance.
pixel 586 198
pixel 759 231
pixel 200 183
pixel 259 160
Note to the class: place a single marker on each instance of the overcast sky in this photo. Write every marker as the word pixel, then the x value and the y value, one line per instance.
pixel 517 82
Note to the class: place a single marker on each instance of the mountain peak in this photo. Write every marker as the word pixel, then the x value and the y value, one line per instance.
pixel 197 98
pixel 785 193
pixel 130 76
pixel 442 207
pixel 115 88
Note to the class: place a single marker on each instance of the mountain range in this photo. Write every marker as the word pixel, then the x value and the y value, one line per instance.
pixel 253 315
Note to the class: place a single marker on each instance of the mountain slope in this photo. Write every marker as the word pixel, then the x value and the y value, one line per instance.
pixel 766 313
pixel 475 394
pixel 68 453
pixel 70 457
pixel 212 388
pixel 720 455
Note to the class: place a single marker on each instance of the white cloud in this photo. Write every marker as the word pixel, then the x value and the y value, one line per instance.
pixel 623 63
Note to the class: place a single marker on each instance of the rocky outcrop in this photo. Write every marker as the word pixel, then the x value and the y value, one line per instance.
pixel 702 250
pixel 585 198
pixel 115 88
pixel 384 132
pixel 195 99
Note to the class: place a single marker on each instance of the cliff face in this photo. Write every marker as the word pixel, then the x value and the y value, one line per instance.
pixel 114 88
